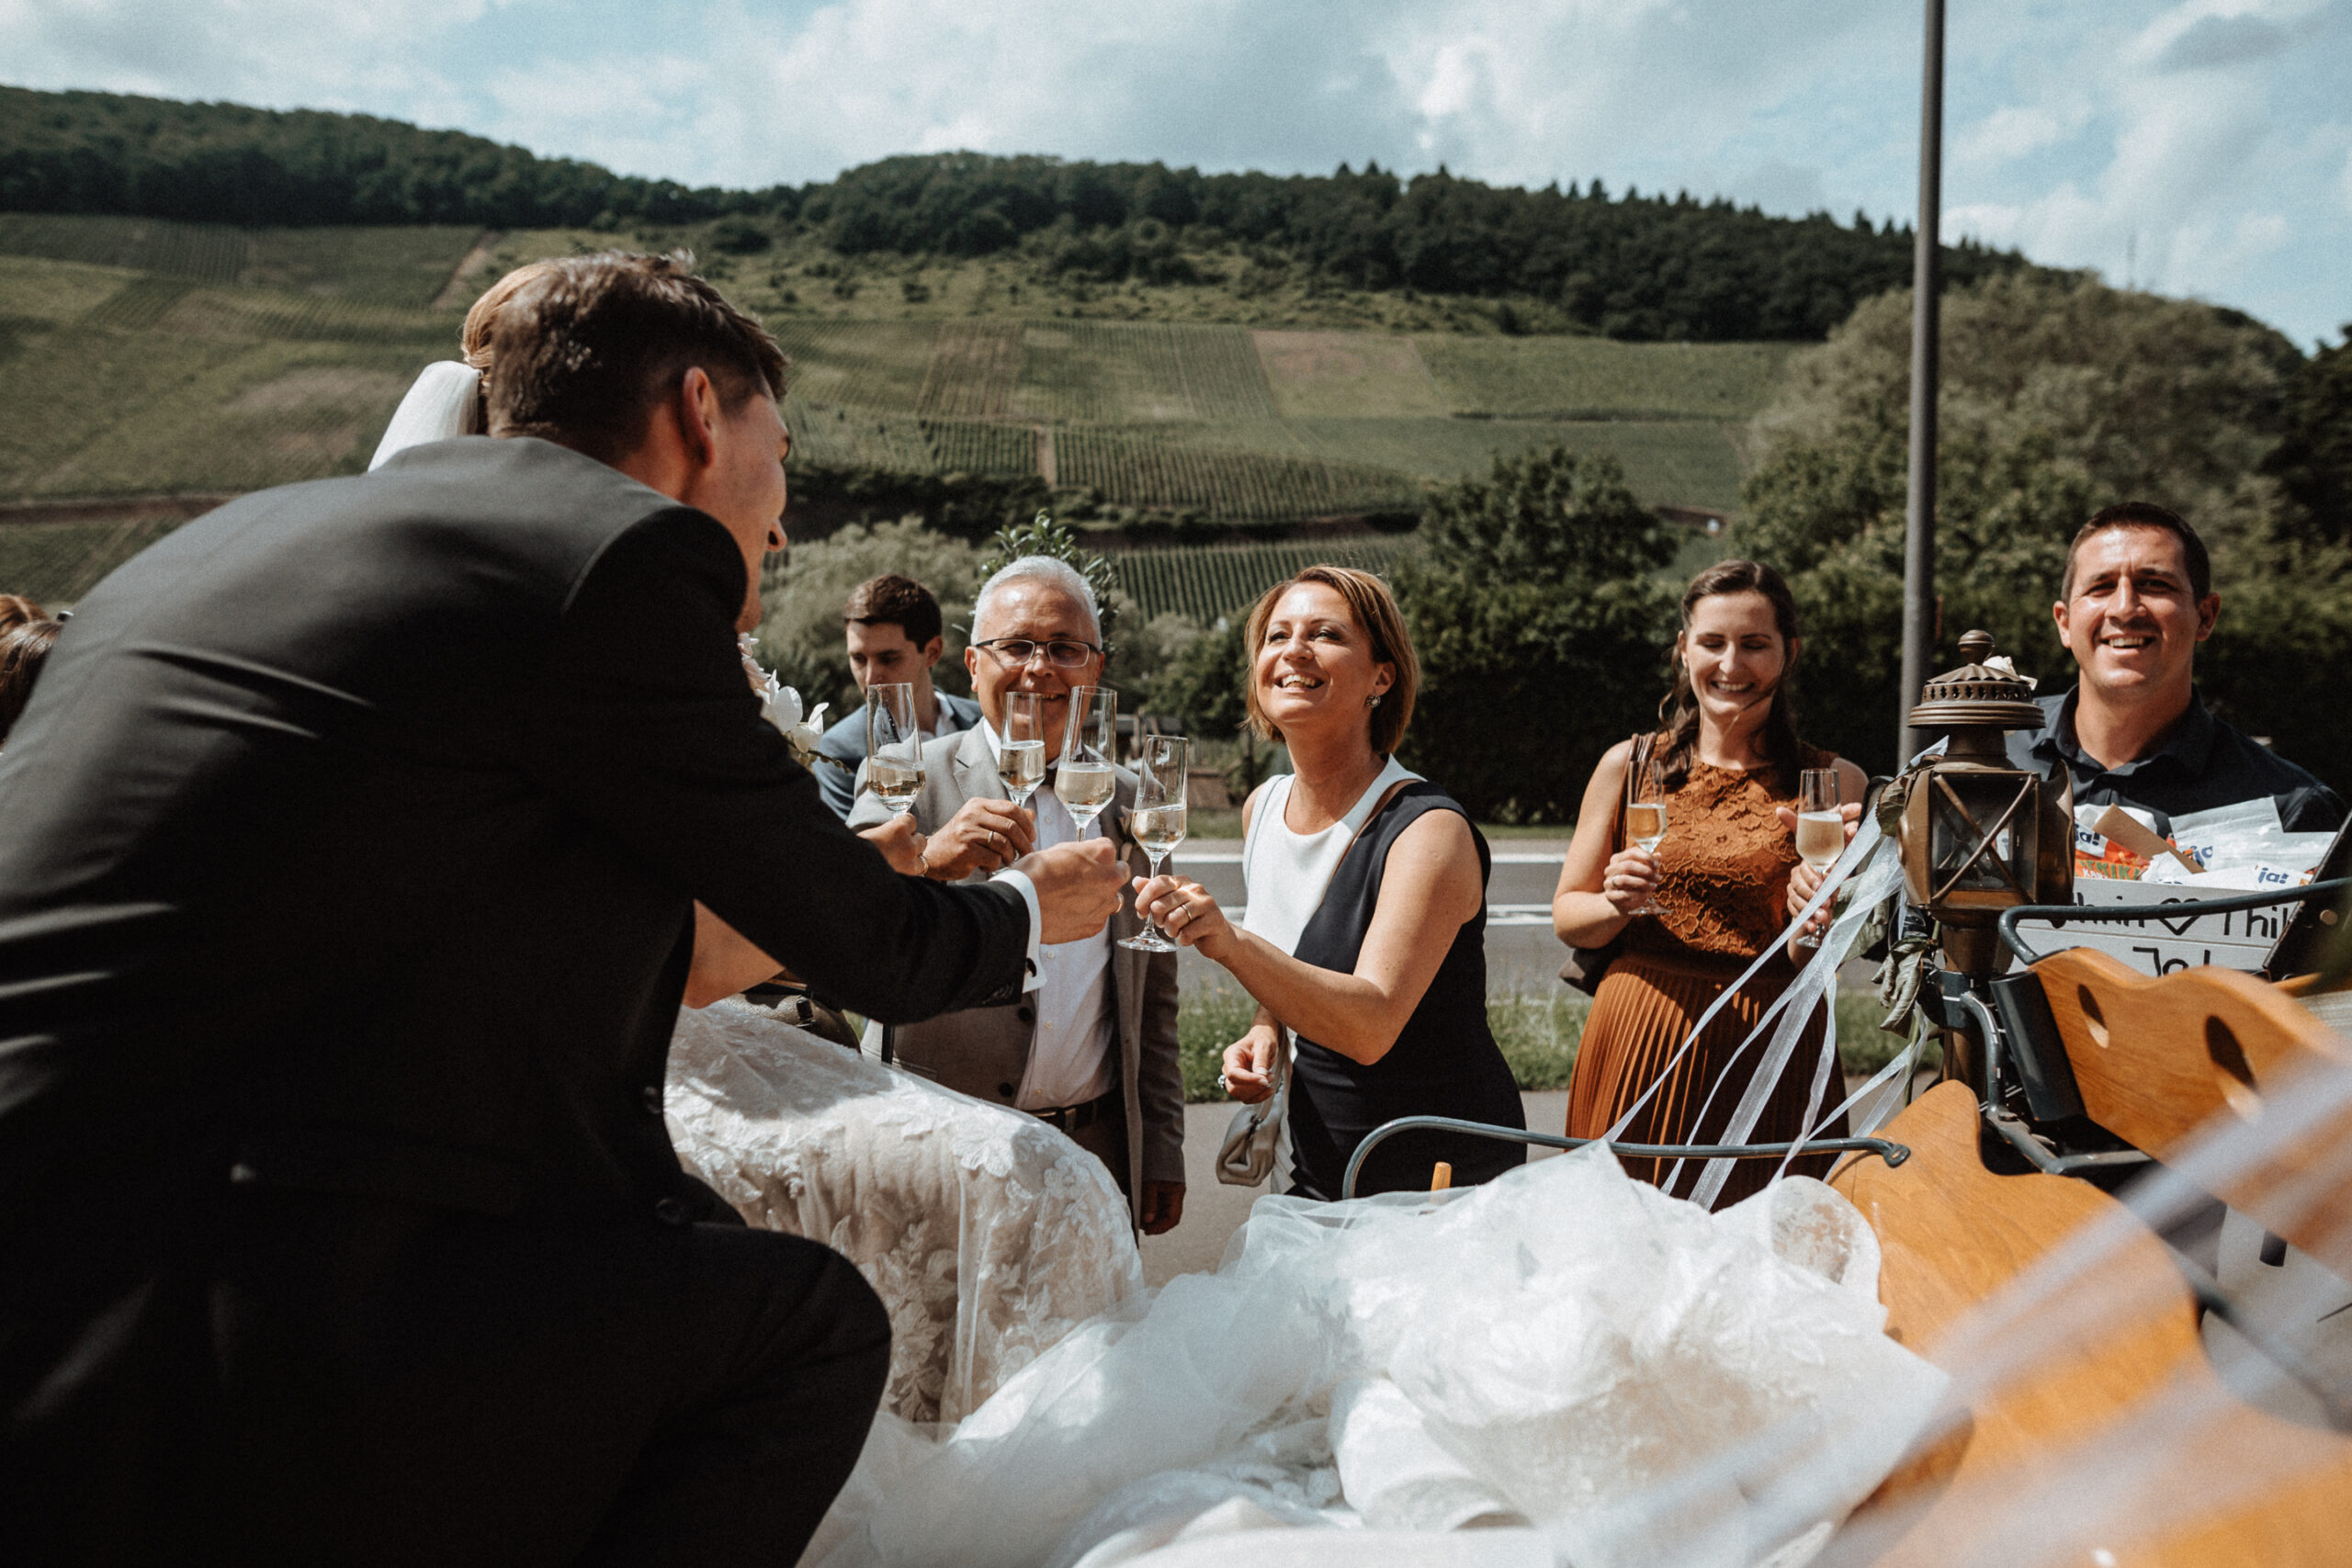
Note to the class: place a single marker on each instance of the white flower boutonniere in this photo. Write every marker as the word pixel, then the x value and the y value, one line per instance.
pixel 780 705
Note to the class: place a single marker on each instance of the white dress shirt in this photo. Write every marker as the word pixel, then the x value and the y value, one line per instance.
pixel 1069 1057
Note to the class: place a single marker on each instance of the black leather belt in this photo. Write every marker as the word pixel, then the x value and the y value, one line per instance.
pixel 1071 1118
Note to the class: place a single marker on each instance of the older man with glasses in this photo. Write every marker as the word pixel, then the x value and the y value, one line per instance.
pixel 1092 1049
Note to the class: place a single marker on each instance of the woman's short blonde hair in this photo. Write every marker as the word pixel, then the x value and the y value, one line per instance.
pixel 1374 611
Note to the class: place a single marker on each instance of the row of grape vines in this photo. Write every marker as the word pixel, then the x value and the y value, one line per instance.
pixel 209 253
pixel 1210 582
pixel 1134 470
pixel 972 370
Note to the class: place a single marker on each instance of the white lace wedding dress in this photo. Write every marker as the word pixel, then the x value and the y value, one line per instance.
pixel 988 1235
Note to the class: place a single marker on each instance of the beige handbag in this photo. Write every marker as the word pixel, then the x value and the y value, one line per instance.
pixel 1247 1156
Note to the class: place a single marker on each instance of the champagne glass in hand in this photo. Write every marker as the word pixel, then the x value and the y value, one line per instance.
pixel 893 745
pixel 1821 828
pixel 1082 778
pixel 1645 814
pixel 1020 750
pixel 1158 821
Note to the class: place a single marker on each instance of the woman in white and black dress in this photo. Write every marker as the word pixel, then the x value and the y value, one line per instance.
pixel 1364 935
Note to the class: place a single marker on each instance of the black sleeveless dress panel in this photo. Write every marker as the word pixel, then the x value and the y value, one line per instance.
pixel 1444 1064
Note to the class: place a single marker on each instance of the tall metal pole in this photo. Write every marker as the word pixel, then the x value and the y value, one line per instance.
pixel 1919 510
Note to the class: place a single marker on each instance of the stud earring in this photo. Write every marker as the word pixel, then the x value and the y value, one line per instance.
pixel 1373 701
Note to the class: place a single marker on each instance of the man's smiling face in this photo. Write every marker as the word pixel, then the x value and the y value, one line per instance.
pixel 2130 617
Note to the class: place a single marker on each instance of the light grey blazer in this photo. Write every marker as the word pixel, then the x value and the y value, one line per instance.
pixel 984 1052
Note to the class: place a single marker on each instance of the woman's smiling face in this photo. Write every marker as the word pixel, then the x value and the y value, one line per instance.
pixel 1315 666
pixel 1736 653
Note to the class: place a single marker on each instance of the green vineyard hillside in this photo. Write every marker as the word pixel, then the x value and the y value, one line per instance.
pixel 151 359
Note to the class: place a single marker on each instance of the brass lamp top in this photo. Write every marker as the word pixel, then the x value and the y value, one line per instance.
pixel 1975 696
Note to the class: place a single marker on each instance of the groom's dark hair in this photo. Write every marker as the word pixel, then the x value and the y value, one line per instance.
pixel 588 347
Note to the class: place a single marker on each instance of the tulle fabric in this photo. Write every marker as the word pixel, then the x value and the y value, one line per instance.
pixel 1604 1374
pixel 989 1234
pixel 442 403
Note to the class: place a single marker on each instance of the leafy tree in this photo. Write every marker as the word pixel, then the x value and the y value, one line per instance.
pixel 1201 683
pixel 2313 459
pixel 2060 396
pixel 1630 266
pixel 1043 537
pixel 1539 621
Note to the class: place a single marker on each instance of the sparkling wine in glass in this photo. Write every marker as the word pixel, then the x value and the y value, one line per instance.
pixel 1020 750
pixel 1646 812
pixel 893 745
pixel 1821 828
pixel 1158 821
pixel 1082 778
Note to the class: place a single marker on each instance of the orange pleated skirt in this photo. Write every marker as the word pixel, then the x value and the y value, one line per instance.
pixel 1646 1007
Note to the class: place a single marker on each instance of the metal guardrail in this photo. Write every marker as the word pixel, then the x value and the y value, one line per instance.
pixel 1892 1152
pixel 2058 914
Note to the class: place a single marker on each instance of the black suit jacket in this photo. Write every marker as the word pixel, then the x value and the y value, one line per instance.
pixel 350 842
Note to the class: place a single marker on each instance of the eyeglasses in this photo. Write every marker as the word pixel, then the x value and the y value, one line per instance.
pixel 1019 651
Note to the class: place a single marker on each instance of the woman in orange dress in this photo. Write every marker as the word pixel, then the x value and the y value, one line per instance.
pixel 1720 880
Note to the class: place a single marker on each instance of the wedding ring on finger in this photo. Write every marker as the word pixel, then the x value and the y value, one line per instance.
pixel 1223 1086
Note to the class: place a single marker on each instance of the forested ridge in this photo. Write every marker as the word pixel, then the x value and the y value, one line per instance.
pixel 1627 265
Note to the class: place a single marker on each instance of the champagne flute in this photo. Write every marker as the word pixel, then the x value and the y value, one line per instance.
pixel 1821 828
pixel 1020 750
pixel 1645 813
pixel 1158 821
pixel 1083 777
pixel 893 745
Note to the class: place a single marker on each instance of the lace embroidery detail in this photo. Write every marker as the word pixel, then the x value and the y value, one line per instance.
pixel 987 1235
pixel 1723 863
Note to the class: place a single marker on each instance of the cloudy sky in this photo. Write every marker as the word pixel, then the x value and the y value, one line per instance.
pixel 2198 147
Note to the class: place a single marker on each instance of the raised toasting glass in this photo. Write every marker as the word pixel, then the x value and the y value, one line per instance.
pixel 893 745
pixel 1020 750
pixel 1158 821
pixel 1646 810
pixel 1821 828
pixel 1082 778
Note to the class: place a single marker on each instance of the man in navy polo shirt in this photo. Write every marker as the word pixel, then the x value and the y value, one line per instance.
pixel 2136 601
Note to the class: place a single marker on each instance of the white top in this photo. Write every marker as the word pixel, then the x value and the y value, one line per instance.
pixel 1286 874
pixel 1069 1057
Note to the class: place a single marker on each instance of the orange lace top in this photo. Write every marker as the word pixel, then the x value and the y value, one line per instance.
pixel 1723 863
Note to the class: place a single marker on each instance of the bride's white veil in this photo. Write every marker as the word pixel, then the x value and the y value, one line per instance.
pixel 442 403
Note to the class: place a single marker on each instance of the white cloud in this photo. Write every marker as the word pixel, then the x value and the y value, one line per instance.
pixel 2187 131
pixel 2014 130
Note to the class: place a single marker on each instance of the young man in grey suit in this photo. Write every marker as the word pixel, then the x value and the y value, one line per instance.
pixel 1092 1050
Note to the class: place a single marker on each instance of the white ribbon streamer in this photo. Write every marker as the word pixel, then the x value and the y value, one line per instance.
pixel 1872 882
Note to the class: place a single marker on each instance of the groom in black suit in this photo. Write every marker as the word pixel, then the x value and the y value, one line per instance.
pixel 348 854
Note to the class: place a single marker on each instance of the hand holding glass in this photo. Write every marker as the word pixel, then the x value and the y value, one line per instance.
pixel 893 745
pixel 1645 814
pixel 1021 750
pixel 1821 828
pixel 1158 821
pixel 1083 778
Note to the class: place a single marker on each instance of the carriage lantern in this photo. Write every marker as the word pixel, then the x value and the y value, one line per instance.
pixel 1979 836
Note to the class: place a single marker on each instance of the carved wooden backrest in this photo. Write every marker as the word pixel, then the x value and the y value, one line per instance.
pixel 2158 1059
